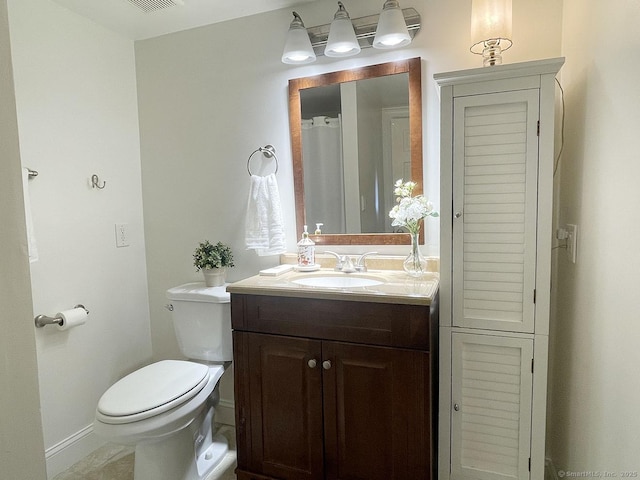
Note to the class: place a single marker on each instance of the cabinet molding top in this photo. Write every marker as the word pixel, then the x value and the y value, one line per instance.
pixel 498 72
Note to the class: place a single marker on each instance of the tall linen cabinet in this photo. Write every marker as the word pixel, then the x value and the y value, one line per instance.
pixel 497 161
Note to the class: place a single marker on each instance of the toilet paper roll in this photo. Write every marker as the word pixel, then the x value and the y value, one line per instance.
pixel 72 318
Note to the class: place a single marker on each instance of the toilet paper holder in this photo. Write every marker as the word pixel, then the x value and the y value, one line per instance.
pixel 44 320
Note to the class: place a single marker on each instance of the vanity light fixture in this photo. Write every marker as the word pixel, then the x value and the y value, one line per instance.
pixel 365 29
pixel 298 49
pixel 392 30
pixel 342 41
pixel 491 29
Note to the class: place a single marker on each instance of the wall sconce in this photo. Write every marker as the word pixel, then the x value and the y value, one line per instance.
pixel 380 31
pixel 490 29
pixel 298 49
pixel 342 41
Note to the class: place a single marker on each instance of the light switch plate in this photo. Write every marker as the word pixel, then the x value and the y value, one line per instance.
pixel 122 235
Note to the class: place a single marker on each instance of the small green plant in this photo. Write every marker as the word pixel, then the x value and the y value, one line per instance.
pixel 212 256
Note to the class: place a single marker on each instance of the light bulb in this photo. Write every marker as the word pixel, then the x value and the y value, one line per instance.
pixel 342 41
pixel 392 30
pixel 298 49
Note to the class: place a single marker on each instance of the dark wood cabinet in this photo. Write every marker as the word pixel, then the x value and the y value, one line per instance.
pixel 376 412
pixel 310 406
pixel 285 406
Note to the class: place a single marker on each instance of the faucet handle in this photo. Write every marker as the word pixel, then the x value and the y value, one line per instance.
pixel 360 265
pixel 339 260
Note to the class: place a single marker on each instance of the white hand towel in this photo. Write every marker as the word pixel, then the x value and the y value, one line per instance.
pixel 31 239
pixel 256 234
pixel 264 224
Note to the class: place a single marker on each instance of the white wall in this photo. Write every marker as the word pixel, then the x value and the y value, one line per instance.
pixel 593 409
pixel 77 115
pixel 208 97
pixel 21 446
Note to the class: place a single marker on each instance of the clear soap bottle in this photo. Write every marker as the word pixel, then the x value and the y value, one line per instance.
pixel 306 250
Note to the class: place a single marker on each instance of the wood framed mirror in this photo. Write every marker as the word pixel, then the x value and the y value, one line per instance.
pixel 379 140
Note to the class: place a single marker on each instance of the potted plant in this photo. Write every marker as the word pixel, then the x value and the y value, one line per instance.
pixel 213 260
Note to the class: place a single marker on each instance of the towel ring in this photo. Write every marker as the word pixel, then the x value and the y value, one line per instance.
pixel 268 151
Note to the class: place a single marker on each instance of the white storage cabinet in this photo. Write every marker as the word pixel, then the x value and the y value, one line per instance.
pixel 497 155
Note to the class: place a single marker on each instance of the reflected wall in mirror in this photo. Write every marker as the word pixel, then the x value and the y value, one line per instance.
pixel 353 134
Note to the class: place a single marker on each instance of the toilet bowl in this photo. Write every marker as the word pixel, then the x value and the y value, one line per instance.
pixel 166 409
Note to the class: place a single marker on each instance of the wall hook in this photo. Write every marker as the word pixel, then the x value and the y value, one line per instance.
pixel 95 182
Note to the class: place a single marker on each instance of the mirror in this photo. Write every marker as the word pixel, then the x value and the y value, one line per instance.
pixel 353 134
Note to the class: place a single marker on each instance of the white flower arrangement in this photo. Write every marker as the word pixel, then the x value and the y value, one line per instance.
pixel 410 210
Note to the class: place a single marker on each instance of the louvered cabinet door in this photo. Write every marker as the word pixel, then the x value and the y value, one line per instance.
pixel 495 168
pixel 491 407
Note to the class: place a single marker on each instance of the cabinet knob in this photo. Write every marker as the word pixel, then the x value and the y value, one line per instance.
pixel 312 363
pixel 326 364
pixel 458 214
pixel 456 407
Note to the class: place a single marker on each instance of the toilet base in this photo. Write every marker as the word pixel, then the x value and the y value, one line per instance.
pixel 189 454
pixel 212 456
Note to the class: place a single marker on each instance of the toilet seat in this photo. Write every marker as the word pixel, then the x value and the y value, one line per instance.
pixel 152 390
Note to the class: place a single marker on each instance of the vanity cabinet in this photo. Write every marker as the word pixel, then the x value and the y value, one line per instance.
pixel 330 389
pixel 497 161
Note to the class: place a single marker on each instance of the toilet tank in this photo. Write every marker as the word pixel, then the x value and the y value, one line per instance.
pixel 202 321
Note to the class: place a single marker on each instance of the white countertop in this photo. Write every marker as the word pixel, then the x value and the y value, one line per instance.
pixel 396 287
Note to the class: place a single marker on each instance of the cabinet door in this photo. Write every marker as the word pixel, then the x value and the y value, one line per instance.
pixel 377 413
pixel 491 407
pixel 285 395
pixel 495 168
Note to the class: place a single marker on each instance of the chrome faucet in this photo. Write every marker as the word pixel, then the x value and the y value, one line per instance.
pixel 360 263
pixel 345 264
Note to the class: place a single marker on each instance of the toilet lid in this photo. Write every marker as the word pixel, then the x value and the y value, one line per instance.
pixel 154 389
pixel 199 292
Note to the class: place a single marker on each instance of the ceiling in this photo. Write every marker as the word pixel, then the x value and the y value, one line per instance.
pixel 128 18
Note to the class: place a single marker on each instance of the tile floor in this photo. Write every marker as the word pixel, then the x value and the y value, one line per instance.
pixel 115 462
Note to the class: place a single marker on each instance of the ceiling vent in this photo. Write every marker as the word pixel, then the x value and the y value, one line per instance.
pixel 148 6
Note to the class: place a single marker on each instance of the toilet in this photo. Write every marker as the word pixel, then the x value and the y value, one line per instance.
pixel 166 409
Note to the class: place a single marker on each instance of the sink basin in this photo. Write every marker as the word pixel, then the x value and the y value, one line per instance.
pixel 337 281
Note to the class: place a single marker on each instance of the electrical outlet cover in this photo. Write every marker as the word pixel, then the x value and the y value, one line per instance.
pixel 122 235
pixel 572 242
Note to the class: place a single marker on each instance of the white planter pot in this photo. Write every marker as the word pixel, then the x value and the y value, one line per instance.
pixel 214 277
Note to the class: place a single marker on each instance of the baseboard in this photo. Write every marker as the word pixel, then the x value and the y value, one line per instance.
pixel 226 412
pixel 74 448
pixel 71 450
pixel 550 472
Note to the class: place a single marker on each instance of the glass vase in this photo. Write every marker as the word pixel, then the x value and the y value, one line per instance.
pixel 415 264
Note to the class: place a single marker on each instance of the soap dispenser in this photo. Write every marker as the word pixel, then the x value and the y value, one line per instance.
pixel 306 250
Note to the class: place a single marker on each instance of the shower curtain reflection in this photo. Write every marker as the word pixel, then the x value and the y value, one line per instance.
pixel 323 167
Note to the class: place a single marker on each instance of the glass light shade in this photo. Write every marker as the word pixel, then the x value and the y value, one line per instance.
pixel 392 30
pixel 342 41
pixel 490 22
pixel 298 49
